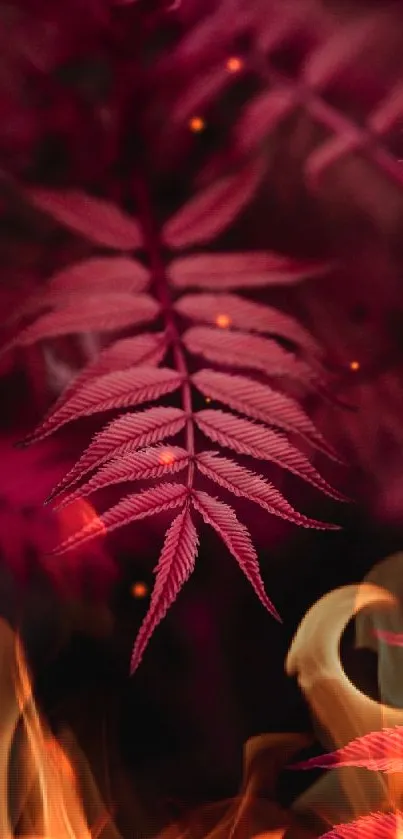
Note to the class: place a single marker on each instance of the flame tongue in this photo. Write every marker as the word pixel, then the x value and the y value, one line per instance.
pixel 49 802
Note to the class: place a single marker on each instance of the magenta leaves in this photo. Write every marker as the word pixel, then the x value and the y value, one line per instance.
pixel 379 825
pixel 379 751
pixel 107 294
pixel 97 220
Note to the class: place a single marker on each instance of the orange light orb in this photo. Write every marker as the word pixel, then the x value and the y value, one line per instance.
pixel 354 365
pixel 139 590
pixel 197 124
pixel 223 321
pixel 167 457
pixel 234 64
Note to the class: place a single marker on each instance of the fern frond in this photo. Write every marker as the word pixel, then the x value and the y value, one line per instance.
pixel 94 218
pixel 254 269
pixel 98 275
pixel 147 349
pixel 175 566
pixel 119 389
pixel 261 402
pixel 107 313
pixel 132 466
pixel 340 50
pixel 133 507
pixel 125 434
pixel 238 349
pixel 243 483
pixel 233 311
pixel 378 751
pixel 210 212
pixel 127 374
pixel 262 113
pixel 237 539
pixel 106 274
pixel 248 438
pixel 379 825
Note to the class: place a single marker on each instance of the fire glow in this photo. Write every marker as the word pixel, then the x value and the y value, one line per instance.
pixel 50 803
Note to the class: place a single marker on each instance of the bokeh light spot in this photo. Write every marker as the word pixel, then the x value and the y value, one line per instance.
pixel 167 457
pixel 234 64
pixel 197 124
pixel 139 590
pixel 223 321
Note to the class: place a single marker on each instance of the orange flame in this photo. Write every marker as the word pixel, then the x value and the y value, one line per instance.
pixel 50 774
pixel 49 803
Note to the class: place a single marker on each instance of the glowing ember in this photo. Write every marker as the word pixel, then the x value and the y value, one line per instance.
pixel 208 398
pixel 139 590
pixel 223 321
pixel 354 365
pixel 197 124
pixel 167 457
pixel 234 64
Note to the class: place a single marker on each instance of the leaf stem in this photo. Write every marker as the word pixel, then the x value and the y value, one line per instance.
pixel 153 247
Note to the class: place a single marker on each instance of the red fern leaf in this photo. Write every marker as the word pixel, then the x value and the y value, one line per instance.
pixel 329 152
pixel 210 212
pixel 133 507
pixel 262 403
pixel 256 269
pixel 388 112
pixel 102 275
pixel 132 466
pixel 373 826
pixel 248 438
pixel 100 314
pixel 275 29
pixel 94 218
pixel 124 434
pixel 246 484
pixel 260 116
pixel 99 275
pixel 231 310
pixel 120 389
pixel 337 52
pixel 237 349
pixel 147 350
pixel 237 539
pixel 379 751
pixel 174 568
